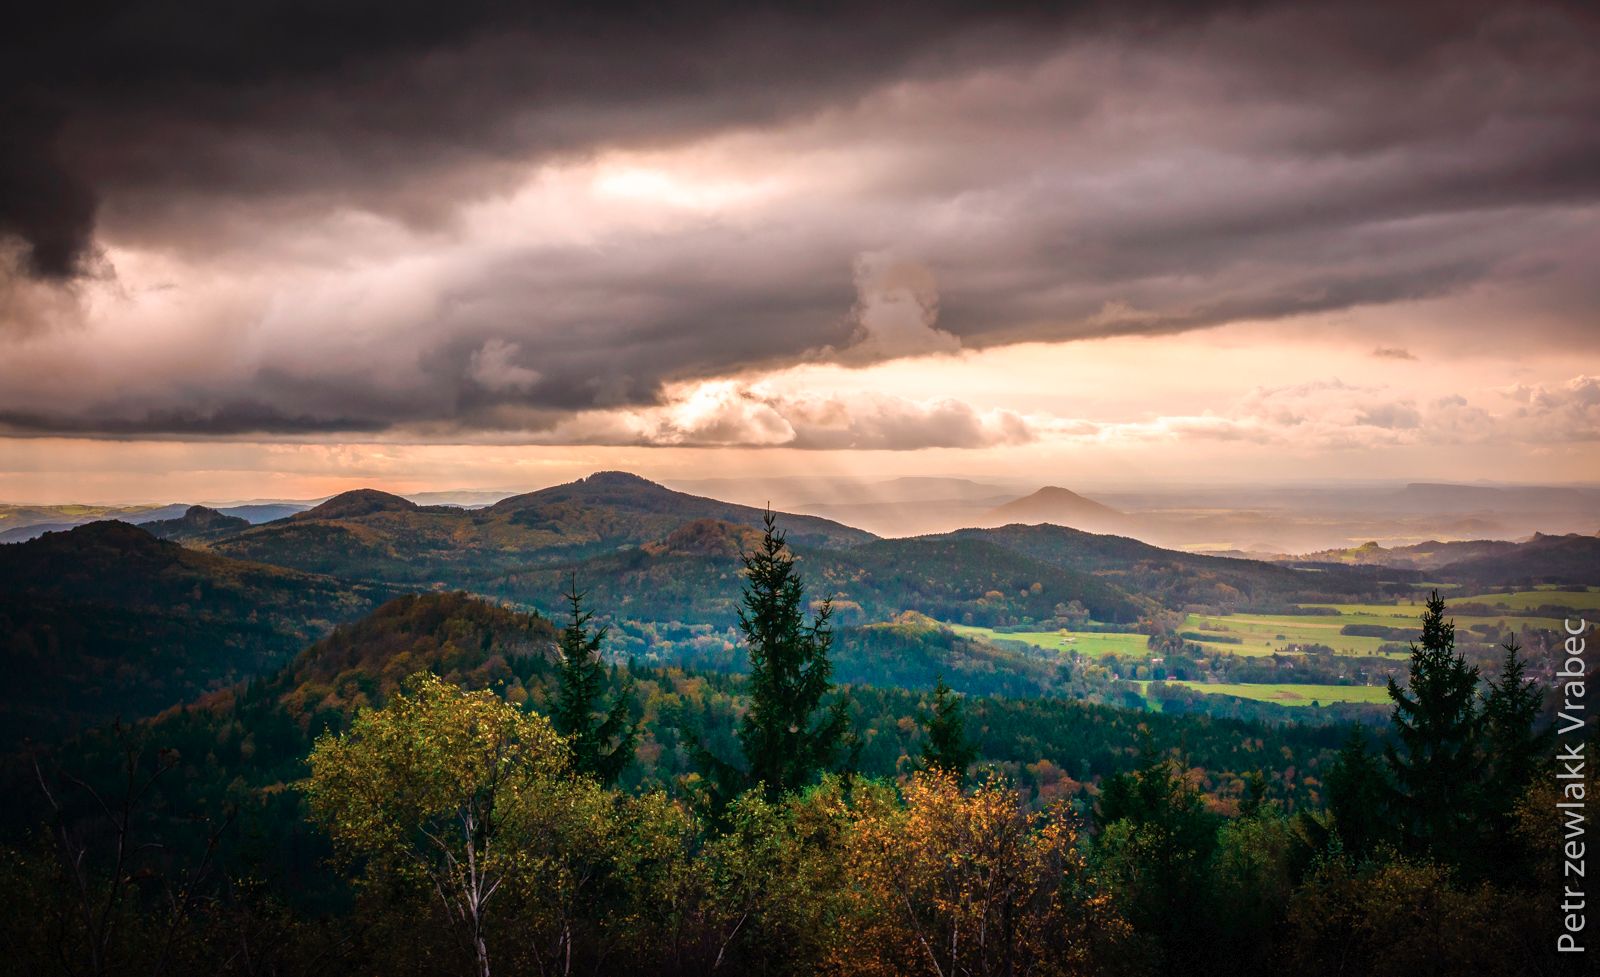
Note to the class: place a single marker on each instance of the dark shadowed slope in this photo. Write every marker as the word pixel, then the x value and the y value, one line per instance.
pixel 106 620
pixel 246 742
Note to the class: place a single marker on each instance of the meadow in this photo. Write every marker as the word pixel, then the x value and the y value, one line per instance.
pixel 1285 694
pixel 1090 644
pixel 1269 634
pixel 1266 634
pixel 1257 635
pixel 1523 600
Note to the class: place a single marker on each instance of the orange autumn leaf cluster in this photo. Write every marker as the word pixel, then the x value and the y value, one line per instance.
pixel 969 883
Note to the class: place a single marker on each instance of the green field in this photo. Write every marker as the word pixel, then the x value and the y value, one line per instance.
pixel 1090 644
pixel 1291 695
pixel 1264 634
pixel 1527 599
pixel 1268 634
pixel 1516 604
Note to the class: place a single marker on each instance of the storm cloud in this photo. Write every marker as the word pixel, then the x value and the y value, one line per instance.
pixel 312 218
pixel 154 107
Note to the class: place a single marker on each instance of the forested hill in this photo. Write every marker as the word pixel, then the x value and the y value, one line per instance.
pixel 1564 560
pixel 647 509
pixel 670 556
pixel 197 523
pixel 692 575
pixel 468 640
pixel 653 554
pixel 371 535
pixel 1192 816
pixel 1175 578
pixel 254 736
pixel 105 620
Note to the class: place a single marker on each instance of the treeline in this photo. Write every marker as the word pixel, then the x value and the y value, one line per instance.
pixel 243 750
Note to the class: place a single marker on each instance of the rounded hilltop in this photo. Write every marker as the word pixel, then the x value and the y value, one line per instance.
pixel 358 502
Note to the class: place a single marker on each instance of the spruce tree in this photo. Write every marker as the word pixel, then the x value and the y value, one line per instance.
pixel 1357 792
pixel 1254 802
pixel 787 735
pixel 1513 749
pixel 602 739
pixel 1436 765
pixel 1510 711
pixel 1154 793
pixel 947 747
pixel 1157 840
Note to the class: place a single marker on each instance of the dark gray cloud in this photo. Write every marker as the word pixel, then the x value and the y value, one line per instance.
pixel 152 108
pixel 207 420
pixel 1027 173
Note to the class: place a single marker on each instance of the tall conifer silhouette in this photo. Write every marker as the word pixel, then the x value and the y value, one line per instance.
pixel 603 738
pixel 788 735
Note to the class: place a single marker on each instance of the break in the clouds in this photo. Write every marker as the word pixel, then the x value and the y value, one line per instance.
pixel 724 413
pixel 488 220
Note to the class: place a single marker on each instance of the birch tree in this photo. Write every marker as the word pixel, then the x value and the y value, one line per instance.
pixel 431 789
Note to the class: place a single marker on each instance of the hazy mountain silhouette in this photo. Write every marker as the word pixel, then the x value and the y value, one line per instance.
pixel 1060 507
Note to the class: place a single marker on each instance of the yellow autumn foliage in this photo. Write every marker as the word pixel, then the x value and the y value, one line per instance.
pixel 952 883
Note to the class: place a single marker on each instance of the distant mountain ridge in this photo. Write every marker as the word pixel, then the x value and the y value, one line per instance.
pixel 1453 498
pixel 1421 556
pixel 1572 558
pixel 1175 577
pixel 673 556
pixel 21 534
pixel 371 535
pixel 18 524
pixel 1566 560
pixel 198 523
pixel 630 493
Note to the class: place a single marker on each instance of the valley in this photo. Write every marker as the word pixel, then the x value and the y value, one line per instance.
pixel 1081 661
pixel 1026 609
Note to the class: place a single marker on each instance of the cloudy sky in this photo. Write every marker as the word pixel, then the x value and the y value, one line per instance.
pixel 282 248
